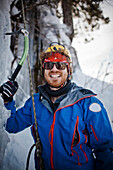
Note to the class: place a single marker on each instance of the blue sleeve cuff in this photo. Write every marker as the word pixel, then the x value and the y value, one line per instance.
pixel 10 106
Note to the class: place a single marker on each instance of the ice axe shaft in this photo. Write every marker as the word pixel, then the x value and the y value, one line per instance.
pixel 24 55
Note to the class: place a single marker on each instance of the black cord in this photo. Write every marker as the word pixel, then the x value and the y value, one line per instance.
pixel 28 157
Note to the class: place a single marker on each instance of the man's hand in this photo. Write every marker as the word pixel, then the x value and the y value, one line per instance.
pixel 9 88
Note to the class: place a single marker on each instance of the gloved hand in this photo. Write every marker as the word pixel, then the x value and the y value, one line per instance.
pixel 9 88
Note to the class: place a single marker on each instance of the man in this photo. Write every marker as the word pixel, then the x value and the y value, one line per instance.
pixel 73 125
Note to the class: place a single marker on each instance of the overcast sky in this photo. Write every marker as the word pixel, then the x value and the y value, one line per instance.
pixel 100 50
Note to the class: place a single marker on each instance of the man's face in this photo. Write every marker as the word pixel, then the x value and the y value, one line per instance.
pixel 55 77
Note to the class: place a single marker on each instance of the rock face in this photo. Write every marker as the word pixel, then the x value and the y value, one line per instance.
pixel 14 148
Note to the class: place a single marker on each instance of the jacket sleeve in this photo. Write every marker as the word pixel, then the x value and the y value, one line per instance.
pixel 100 133
pixel 19 119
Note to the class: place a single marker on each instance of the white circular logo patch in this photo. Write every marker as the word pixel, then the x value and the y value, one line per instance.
pixel 95 107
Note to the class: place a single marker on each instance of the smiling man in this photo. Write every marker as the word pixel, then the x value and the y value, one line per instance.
pixel 56 70
pixel 73 125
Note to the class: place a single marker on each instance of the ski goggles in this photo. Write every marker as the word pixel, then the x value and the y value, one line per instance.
pixel 59 65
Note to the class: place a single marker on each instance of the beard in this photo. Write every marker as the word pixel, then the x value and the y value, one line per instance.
pixel 56 79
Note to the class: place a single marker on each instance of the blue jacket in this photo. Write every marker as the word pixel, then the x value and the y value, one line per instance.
pixel 77 136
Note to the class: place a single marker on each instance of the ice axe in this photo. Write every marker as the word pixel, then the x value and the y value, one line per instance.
pixel 25 33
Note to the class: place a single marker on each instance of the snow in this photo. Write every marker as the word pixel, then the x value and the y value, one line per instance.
pixel 14 147
pixel 51 28
pixel 98 54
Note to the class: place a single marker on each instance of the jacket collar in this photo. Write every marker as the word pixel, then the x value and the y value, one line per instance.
pixel 74 94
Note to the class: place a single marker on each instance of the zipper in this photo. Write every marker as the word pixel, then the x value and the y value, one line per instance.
pixel 94 132
pixel 75 130
pixel 84 153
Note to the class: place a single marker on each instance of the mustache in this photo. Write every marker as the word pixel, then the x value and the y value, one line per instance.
pixel 55 72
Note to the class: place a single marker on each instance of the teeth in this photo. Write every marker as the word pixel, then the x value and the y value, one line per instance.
pixel 55 75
